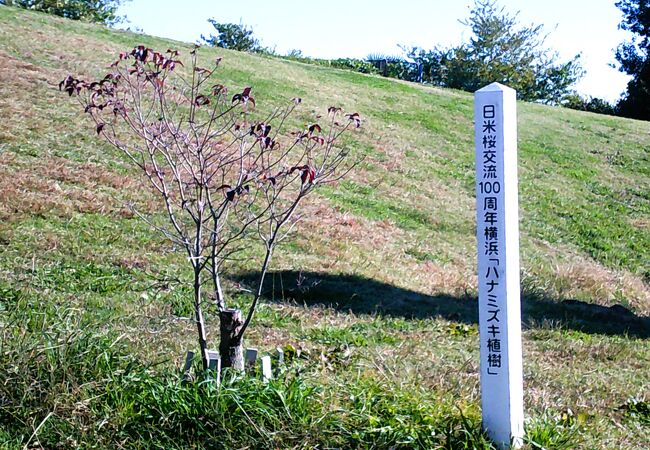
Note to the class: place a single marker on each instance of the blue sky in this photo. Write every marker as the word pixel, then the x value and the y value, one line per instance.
pixel 348 28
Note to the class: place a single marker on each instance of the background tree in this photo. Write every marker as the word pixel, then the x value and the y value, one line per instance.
pixel 233 37
pixel 97 11
pixel 393 66
pixel 503 51
pixel 227 182
pixel 431 64
pixel 591 104
pixel 634 59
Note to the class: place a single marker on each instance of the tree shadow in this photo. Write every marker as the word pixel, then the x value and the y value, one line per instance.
pixel 361 295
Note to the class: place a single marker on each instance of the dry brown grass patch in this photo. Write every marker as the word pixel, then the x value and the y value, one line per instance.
pixel 337 240
pixel 29 72
pixel 640 222
pixel 604 286
pixel 339 228
pixel 57 186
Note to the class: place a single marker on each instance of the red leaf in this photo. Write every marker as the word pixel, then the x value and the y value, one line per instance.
pixel 265 129
pixel 267 142
pixel 158 59
pixel 170 64
pixel 306 173
pixel 141 53
pixel 219 89
pixel 100 127
pixel 294 168
pixel 71 85
pixel 354 117
pixel 201 100
pixel 244 97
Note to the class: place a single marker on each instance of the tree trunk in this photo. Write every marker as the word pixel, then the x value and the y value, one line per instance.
pixel 231 346
pixel 200 321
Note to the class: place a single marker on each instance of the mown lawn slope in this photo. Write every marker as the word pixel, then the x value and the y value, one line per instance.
pixel 377 287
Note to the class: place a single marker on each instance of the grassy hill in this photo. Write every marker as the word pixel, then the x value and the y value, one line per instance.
pixel 93 324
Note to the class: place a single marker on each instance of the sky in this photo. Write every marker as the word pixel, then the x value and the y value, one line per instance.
pixel 357 28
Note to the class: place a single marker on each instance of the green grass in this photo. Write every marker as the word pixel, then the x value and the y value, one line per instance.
pixel 363 201
pixel 376 290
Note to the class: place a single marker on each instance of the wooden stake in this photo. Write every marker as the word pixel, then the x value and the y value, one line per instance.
pixel 214 364
pixel 279 355
pixel 251 357
pixel 187 376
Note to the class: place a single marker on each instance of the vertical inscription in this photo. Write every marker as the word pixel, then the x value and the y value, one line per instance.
pixel 497 235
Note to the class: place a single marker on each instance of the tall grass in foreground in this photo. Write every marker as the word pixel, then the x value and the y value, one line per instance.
pixel 68 384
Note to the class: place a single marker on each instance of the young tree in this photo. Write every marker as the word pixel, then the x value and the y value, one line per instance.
pixel 634 58
pixel 98 11
pixel 232 36
pixel 224 178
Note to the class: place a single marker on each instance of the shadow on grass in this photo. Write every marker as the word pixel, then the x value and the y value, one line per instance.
pixel 362 295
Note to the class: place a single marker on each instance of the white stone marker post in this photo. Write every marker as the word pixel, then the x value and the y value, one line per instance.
pixel 267 372
pixel 497 233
